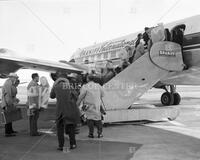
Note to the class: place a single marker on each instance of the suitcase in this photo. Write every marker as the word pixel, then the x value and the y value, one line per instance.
pixel 10 116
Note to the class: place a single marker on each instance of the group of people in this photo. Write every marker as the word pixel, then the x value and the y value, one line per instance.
pixel 68 112
pixel 128 54
pixel 69 98
pixel 152 35
pixel 37 98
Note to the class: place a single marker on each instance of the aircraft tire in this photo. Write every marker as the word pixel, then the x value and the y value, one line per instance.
pixel 167 99
pixel 177 99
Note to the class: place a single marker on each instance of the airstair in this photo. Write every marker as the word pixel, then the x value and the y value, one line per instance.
pixel 130 84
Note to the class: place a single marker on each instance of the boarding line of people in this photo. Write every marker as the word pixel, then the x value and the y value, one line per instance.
pixel 68 100
pixel 143 45
pixel 152 35
pixel 68 113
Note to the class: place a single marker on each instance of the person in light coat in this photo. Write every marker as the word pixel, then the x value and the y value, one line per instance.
pixel 139 50
pixel 8 100
pixel 91 95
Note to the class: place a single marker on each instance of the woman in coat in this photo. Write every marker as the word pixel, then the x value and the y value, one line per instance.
pixel 67 113
pixel 139 50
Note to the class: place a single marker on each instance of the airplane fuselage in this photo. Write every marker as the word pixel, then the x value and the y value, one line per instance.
pixel 99 53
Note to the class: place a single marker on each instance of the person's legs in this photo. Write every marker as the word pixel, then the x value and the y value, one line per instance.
pixel 60 133
pixel 35 121
pixel 31 124
pixel 8 128
pixel 99 128
pixel 91 128
pixel 11 128
pixel 71 131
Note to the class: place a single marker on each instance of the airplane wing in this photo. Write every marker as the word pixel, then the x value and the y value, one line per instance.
pixel 9 62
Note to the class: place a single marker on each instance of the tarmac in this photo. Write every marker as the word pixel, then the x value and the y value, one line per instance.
pixel 120 142
pixel 176 140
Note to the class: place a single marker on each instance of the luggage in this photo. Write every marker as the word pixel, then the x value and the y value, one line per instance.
pixel 10 116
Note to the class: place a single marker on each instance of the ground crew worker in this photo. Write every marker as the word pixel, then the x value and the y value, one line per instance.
pixel 33 104
pixel 8 100
pixel 91 95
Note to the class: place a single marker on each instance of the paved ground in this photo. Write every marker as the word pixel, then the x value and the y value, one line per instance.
pixel 175 140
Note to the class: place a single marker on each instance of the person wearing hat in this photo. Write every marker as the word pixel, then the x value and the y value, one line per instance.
pixel 8 100
pixel 91 95
pixel 67 113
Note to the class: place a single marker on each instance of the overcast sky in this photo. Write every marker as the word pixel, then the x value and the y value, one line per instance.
pixel 54 29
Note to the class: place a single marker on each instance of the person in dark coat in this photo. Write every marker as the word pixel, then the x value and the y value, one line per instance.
pixel 178 34
pixel 167 34
pixel 146 35
pixel 67 113
pixel 178 37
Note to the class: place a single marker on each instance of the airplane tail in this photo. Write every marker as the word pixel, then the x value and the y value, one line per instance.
pixel 127 86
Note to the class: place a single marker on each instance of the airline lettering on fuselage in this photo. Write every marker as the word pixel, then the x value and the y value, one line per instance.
pixel 106 47
pixel 167 53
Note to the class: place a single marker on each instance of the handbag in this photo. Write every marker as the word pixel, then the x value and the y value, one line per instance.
pixel 10 116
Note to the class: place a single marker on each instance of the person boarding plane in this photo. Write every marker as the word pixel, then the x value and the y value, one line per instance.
pixel 162 66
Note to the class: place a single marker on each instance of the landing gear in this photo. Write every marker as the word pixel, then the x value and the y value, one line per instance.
pixel 177 98
pixel 167 99
pixel 170 98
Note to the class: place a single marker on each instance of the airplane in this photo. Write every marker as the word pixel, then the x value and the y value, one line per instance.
pixel 161 67
pixel 95 57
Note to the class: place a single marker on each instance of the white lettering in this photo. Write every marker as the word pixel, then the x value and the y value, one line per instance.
pixel 167 53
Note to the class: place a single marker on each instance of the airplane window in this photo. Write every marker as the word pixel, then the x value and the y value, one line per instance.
pixel 99 57
pixel 86 61
pixel 113 54
pixel 105 55
pixel 92 58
